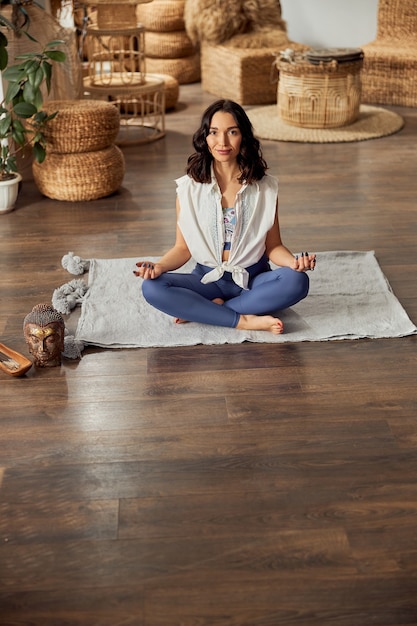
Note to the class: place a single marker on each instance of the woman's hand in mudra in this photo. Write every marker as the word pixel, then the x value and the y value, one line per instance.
pixel 304 262
pixel 147 269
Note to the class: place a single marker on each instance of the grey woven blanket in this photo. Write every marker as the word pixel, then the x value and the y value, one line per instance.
pixel 349 298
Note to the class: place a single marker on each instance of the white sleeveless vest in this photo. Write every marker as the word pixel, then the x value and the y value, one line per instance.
pixel 201 224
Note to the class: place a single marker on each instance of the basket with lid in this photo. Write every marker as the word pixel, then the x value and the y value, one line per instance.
pixel 320 88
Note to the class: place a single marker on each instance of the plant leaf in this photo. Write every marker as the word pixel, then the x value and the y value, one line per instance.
pixel 13 73
pixel 56 55
pixel 4 56
pixel 29 93
pixel 18 137
pixel 55 42
pixel 17 124
pixel 39 152
pixel 29 36
pixel 25 109
pixel 36 78
pixel 12 91
pixel 47 72
pixel 30 66
pixel 5 124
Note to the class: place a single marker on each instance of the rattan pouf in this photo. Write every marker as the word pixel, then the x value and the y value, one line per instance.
pixel 185 69
pixel 162 16
pixel 81 125
pixel 80 176
pixel 172 45
pixel 172 90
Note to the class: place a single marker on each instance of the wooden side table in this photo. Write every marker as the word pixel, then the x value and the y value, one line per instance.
pixel 141 106
pixel 116 55
pixel 117 72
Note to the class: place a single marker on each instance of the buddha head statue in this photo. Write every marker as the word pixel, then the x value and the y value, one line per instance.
pixel 44 331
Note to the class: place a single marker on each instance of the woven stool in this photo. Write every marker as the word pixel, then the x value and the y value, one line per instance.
pixel 162 16
pixel 168 45
pixel 82 161
pixel 172 90
pixel 80 176
pixel 185 69
pixel 81 125
pixel 320 88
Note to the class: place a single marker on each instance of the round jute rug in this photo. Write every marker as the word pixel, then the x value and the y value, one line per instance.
pixel 373 122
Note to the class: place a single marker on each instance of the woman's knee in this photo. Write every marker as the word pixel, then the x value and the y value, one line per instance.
pixel 150 290
pixel 303 282
pixel 298 282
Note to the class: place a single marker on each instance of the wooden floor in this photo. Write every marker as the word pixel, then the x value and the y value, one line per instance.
pixel 250 485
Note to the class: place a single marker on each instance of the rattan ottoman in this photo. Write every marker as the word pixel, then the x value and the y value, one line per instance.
pixel 251 77
pixel 81 125
pixel 80 176
pixel 82 161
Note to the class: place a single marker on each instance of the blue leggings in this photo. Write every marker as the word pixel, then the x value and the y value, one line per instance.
pixel 186 297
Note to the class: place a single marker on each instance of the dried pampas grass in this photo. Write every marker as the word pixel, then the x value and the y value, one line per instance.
pixel 218 21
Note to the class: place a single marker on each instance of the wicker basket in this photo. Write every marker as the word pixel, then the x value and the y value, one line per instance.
pixel 82 176
pixel 325 94
pixel 81 125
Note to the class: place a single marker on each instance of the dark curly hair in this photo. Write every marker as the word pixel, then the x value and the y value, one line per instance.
pixel 250 160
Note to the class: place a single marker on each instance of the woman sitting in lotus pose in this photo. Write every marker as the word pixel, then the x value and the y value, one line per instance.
pixel 227 221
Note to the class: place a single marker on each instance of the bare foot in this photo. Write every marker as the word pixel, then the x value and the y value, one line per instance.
pixel 261 322
pixel 178 320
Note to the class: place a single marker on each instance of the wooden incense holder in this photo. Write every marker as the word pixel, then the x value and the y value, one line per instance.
pixel 13 362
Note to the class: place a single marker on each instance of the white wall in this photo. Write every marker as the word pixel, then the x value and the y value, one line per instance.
pixel 331 23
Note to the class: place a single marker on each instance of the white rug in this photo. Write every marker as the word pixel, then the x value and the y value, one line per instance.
pixel 349 298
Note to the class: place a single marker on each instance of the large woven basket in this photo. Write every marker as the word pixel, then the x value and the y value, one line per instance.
pixel 318 95
pixel 80 176
pixel 81 125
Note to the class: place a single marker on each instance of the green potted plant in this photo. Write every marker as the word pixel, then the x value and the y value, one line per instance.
pixel 22 119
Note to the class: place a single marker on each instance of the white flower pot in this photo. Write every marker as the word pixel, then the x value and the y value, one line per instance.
pixel 8 193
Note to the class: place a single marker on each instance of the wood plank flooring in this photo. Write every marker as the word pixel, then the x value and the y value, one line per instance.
pixel 234 485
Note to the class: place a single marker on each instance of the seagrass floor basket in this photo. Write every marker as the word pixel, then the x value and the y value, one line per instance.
pixel 320 88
